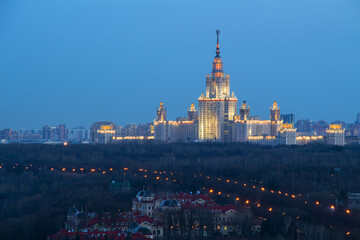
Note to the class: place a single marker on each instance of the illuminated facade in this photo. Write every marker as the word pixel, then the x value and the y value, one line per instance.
pixel 192 113
pixel 245 129
pixel 217 107
pixel 335 135
pixel 287 134
pixel 102 132
pixel 161 113
pixel 184 130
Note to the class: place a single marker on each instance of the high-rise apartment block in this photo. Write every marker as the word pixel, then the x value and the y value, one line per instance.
pixel 102 132
pixel 79 134
pixel 288 118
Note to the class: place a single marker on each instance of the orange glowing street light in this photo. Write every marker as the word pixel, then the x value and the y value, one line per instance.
pixel 317 203
pixel 211 191
pixel 247 202
pixel 347 211
pixel 270 209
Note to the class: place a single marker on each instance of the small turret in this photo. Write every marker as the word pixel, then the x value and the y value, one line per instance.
pixel 161 113
pixel 192 113
pixel 244 111
pixel 275 112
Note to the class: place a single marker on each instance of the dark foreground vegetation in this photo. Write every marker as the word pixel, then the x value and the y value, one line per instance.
pixel 38 184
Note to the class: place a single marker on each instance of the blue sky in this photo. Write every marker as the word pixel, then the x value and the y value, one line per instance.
pixel 77 62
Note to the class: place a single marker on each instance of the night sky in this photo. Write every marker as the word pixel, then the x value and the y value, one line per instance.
pixel 76 62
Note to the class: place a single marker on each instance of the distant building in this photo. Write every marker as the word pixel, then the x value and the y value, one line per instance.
pixel 320 127
pixel 61 132
pixel 161 113
pixel 47 132
pixel 288 118
pixel 244 112
pixel 339 122
pixel 303 138
pixel 335 135
pixel 102 132
pixel 192 113
pixel 79 133
pixel 352 140
pixel 6 134
pixel 133 132
pixel 245 129
pixel 54 133
pixel 287 134
pixel 357 118
pixel 217 107
pixel 182 130
pixel 303 125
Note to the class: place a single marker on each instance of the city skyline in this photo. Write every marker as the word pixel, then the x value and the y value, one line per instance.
pixel 73 74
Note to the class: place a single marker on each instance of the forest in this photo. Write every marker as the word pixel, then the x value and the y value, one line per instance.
pixel 39 183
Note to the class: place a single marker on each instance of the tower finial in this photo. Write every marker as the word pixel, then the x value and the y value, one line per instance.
pixel 217 44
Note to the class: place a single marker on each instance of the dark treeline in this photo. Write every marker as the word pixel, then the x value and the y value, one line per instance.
pixel 34 201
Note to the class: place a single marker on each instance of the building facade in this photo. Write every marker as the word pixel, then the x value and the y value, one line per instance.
pixel 217 107
pixel 335 135
pixel 246 129
pixel 102 132
pixel 182 130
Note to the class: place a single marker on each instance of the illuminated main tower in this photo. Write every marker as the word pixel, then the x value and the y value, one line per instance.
pixel 217 107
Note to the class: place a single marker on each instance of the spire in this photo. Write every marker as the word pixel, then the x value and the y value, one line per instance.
pixel 217 44
pixel 217 69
